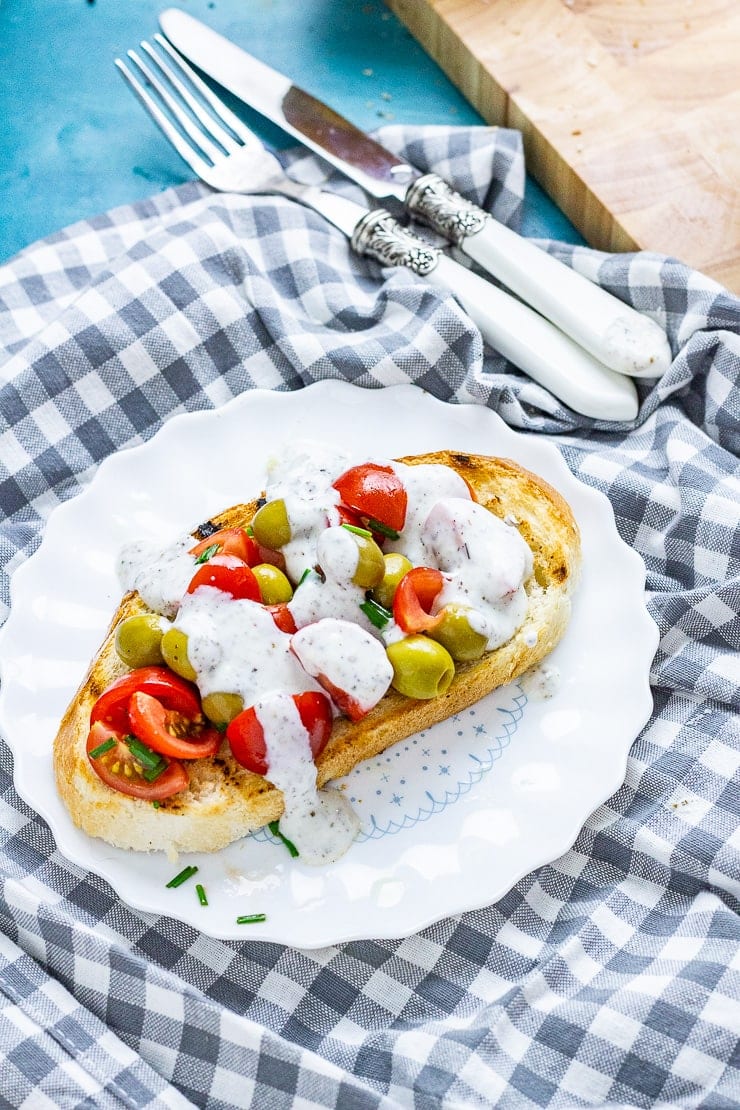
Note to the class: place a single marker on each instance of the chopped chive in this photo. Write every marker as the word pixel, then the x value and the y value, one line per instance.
pixel 185 874
pixel 221 726
pixel 205 555
pixel 102 748
pixel 155 805
pixel 376 614
pixel 201 894
pixel 249 530
pixel 358 531
pixel 384 530
pixel 274 828
pixel 304 576
pixel 146 756
pixel 152 773
pixel 251 918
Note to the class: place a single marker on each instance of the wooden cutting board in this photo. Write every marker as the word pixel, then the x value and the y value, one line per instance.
pixel 630 111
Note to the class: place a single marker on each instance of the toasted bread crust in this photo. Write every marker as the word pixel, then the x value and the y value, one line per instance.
pixel 225 801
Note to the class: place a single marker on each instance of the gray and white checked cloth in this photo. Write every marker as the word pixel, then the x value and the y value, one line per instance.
pixel 606 978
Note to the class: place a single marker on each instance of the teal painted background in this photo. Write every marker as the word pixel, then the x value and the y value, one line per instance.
pixel 75 142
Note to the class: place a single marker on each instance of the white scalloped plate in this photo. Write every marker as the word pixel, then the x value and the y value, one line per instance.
pixel 451 818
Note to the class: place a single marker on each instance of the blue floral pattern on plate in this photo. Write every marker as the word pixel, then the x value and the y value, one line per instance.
pixel 421 776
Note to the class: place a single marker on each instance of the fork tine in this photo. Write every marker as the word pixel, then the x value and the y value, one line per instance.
pixel 233 122
pixel 186 152
pixel 197 136
pixel 219 133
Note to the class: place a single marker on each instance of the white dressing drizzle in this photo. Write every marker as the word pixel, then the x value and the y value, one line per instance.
pixel 321 823
pixel 485 563
pixel 346 655
pixel 425 485
pixel 160 574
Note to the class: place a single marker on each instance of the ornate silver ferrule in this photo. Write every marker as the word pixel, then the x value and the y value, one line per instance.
pixel 379 236
pixel 431 200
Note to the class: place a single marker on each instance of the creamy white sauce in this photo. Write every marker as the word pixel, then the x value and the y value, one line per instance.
pixel 320 823
pixel 302 478
pixel 350 658
pixel 485 563
pixel 334 595
pixel 160 574
pixel 235 647
pixel 425 485
pixel 541 682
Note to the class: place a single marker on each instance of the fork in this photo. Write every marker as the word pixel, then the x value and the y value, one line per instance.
pixel 222 151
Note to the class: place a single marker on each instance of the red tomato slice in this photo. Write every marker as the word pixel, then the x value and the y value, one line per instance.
pixel 283 617
pixel 247 738
pixel 230 541
pixel 414 598
pixel 171 733
pixel 229 574
pixel 376 492
pixel 172 691
pixel 343 701
pixel 119 769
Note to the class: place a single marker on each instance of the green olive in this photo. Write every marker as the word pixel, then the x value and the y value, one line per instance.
pixel 139 640
pixel 456 633
pixel 274 585
pixel 395 567
pixel 175 653
pixel 422 668
pixel 370 563
pixel 222 708
pixel 271 526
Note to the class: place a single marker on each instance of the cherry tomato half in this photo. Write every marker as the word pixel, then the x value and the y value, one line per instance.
pixel 229 574
pixel 414 597
pixel 229 541
pixel 118 767
pixel 172 691
pixel 283 617
pixel 376 492
pixel 247 738
pixel 171 733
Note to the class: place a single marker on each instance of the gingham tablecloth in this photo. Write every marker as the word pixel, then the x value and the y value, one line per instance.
pixel 608 977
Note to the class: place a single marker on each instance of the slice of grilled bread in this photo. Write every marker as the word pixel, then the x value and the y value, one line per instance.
pixel 224 801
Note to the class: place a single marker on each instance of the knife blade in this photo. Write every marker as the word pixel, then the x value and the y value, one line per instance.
pixel 617 335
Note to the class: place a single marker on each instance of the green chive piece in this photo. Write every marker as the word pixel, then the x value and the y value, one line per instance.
pixel 249 530
pixel 201 894
pixel 146 756
pixel 376 614
pixel 101 749
pixel 384 530
pixel 304 576
pixel 185 874
pixel 251 918
pixel 155 805
pixel 274 828
pixel 358 531
pixel 209 551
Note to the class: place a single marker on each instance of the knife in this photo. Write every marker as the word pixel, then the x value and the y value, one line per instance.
pixel 613 332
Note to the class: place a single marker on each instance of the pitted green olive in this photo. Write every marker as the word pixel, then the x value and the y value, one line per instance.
pixel 422 668
pixel 139 640
pixel 271 526
pixel 274 586
pixel 175 654
pixel 222 708
pixel 370 563
pixel 395 567
pixel 456 633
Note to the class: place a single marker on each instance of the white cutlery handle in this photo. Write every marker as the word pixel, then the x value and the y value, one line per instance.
pixel 519 333
pixel 538 348
pixel 612 331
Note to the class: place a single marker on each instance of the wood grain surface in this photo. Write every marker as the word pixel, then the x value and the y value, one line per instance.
pixel 630 111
